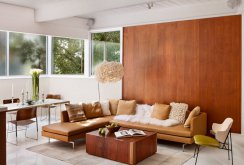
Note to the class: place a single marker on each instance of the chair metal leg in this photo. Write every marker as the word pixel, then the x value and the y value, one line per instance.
pixel 16 133
pixel 36 128
pixel 197 153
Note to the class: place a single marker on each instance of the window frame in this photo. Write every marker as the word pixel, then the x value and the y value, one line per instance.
pixel 87 55
pixel 120 29
pixel 50 58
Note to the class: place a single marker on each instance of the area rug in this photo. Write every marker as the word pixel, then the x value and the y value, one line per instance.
pixel 166 154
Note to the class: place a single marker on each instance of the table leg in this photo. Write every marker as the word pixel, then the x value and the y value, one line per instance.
pixel 3 138
pixel 49 115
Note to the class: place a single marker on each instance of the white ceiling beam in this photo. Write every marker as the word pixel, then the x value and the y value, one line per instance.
pixel 71 8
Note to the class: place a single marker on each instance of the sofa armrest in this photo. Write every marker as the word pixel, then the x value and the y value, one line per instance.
pixel 64 116
pixel 199 124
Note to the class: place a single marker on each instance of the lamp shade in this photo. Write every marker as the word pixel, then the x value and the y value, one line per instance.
pixel 109 72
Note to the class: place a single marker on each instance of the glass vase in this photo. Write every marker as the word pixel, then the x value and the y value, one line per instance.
pixel 35 87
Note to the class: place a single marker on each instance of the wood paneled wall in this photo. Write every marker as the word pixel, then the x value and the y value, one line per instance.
pixel 197 62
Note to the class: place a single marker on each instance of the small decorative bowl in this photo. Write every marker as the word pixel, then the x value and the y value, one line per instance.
pixel 112 129
pixel 30 102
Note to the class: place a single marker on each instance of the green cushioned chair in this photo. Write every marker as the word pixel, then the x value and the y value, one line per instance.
pixel 222 140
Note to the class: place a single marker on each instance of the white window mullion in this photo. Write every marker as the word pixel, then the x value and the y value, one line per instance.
pixel 86 58
pixel 49 55
pixel 7 58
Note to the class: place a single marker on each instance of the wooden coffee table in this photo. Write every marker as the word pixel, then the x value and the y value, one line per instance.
pixel 129 150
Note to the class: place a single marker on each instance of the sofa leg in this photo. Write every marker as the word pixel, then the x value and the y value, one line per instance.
pixel 48 140
pixel 183 147
pixel 73 145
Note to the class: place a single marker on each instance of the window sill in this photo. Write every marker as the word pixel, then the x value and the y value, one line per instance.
pixel 46 76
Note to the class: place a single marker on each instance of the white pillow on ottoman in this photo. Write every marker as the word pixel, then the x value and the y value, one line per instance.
pixel 178 111
pixel 105 108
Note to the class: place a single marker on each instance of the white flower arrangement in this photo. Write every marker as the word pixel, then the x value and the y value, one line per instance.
pixel 36 71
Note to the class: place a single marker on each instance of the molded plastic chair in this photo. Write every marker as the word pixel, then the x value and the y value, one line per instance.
pixel 222 138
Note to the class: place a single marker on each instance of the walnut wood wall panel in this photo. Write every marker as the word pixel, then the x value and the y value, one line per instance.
pixel 197 62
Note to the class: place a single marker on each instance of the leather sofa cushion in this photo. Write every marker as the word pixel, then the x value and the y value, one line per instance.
pixel 93 110
pixel 178 130
pixel 70 129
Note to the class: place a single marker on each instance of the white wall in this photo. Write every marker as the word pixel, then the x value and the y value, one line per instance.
pixel 19 84
pixel 84 89
pixel 73 89
pixel 20 19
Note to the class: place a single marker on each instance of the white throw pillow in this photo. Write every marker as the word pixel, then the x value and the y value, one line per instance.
pixel 105 108
pixel 178 111
pixel 141 109
pixel 148 112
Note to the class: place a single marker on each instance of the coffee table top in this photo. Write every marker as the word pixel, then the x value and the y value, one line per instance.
pixel 127 139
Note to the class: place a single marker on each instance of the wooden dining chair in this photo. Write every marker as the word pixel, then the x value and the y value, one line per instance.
pixel 24 117
pixel 50 96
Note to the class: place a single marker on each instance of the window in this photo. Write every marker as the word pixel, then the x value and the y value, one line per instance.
pixel 105 46
pixel 3 53
pixel 67 56
pixel 26 51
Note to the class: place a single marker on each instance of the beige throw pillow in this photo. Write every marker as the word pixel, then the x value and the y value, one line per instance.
pixel 93 110
pixel 178 111
pixel 126 107
pixel 113 105
pixel 160 111
pixel 193 113
pixel 75 112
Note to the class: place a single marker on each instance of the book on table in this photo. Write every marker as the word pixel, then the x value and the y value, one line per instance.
pixel 129 133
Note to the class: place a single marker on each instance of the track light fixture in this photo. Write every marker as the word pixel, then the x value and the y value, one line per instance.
pixel 233 3
pixel 150 5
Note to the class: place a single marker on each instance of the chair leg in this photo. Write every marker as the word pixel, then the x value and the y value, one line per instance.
pixel 197 153
pixel 36 128
pixel 16 133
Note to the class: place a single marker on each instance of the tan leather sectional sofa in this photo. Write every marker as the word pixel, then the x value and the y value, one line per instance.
pixel 68 132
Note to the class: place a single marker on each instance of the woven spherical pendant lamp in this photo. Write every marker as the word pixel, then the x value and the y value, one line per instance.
pixel 107 72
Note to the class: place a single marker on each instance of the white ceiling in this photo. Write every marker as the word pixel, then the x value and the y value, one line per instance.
pixel 35 4
pixel 48 10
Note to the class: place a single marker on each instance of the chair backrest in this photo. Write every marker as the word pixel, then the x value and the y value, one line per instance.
pixel 224 130
pixel 9 101
pixel 26 114
pixel 51 96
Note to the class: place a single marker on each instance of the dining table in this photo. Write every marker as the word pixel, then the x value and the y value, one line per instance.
pixel 40 103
